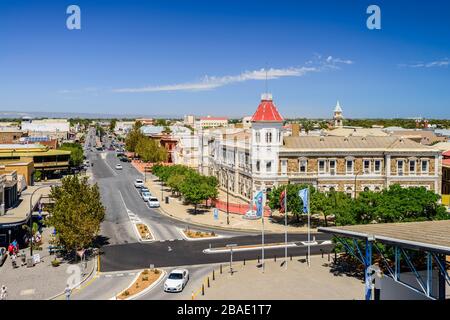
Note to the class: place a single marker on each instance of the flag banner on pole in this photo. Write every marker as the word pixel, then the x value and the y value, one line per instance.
pixel 282 200
pixel 259 203
pixel 304 195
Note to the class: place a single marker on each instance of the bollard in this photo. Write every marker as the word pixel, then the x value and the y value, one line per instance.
pixel 258 258
pixel 291 257
pixel 321 251
pixel 203 289
pixel 244 262
pixel 208 282
pixel 220 269
pixel 328 257
pixel 275 258
pixel 214 276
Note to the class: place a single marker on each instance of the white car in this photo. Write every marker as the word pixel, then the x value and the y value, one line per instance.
pixel 176 281
pixel 138 183
pixel 153 202
pixel 118 166
pixel 146 196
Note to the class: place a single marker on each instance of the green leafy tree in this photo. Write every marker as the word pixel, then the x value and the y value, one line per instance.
pixel 77 212
pixel 133 137
pixel 112 125
pixel 76 153
pixel 150 150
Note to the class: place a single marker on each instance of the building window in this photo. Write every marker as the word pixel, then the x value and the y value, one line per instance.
pixel 366 189
pixel 302 167
pixel 269 166
pixel 377 166
pixel 349 192
pixel 321 165
pixel 366 166
pixel 349 166
pixel 257 137
pixel 269 137
pixel 412 166
pixel 400 167
pixel 279 136
pixel 283 166
pixel 332 167
pixel 257 166
pixel 424 166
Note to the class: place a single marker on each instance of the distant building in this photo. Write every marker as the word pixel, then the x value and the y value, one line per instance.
pixel 424 137
pixel 146 121
pixel 54 128
pixel 338 116
pixel 10 135
pixel 446 175
pixel 213 122
pixel 123 127
pixel 189 120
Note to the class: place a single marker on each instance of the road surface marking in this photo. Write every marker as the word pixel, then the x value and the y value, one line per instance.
pixel 27 292
pixel 119 275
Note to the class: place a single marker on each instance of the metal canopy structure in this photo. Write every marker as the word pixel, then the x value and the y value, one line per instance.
pixel 430 237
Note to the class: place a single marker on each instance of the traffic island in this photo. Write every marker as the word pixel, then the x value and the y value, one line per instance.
pixel 193 235
pixel 143 283
pixel 143 231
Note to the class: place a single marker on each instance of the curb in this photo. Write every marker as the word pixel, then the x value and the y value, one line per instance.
pixel 212 251
pixel 89 276
pixel 146 290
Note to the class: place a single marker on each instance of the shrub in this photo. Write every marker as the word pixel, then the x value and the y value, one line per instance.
pixel 55 263
pixel 156 271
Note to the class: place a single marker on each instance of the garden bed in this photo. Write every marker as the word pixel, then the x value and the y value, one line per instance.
pixel 192 234
pixel 144 232
pixel 145 279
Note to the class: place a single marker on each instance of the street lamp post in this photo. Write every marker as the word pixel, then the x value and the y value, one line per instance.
pixel 228 211
pixel 31 216
pixel 356 175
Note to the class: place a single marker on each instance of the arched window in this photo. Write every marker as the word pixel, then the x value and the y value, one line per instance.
pixel 257 137
pixel 366 189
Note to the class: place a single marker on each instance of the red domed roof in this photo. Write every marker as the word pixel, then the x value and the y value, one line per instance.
pixel 267 111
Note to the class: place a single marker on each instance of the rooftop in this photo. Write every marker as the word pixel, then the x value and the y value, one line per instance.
pixel 319 143
pixel 424 235
pixel 267 111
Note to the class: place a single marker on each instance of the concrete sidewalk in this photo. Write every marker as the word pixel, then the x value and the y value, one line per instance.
pixel 298 282
pixel 41 281
pixel 205 217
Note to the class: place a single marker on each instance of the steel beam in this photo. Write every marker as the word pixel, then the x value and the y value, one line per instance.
pixel 368 263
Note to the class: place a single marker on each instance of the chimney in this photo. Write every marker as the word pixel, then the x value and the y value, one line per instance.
pixel 295 129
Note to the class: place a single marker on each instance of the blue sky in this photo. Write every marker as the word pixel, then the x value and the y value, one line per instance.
pixel 209 57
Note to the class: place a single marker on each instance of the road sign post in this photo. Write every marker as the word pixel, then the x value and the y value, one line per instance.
pixel 231 255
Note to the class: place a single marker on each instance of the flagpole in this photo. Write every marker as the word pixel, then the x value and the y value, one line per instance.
pixel 262 217
pixel 309 231
pixel 285 230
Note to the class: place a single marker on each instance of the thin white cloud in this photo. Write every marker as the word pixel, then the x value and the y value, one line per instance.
pixel 438 63
pixel 212 82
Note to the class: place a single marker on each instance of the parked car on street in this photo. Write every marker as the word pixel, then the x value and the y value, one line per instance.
pixel 177 280
pixel 138 183
pixel 146 196
pixel 119 166
pixel 144 189
pixel 153 202
pixel 3 255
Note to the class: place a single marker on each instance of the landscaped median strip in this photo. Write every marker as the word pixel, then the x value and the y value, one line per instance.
pixel 195 235
pixel 141 284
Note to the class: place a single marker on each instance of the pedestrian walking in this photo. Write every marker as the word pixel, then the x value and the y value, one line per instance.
pixel 3 293
pixel 68 292
pixel 13 261
pixel 23 258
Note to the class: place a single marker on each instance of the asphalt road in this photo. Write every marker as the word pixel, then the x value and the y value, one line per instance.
pixel 184 253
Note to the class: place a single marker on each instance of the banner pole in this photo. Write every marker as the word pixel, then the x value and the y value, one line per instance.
pixel 285 230
pixel 309 228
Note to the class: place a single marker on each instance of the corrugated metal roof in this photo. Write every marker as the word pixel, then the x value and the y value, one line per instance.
pixel 369 142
